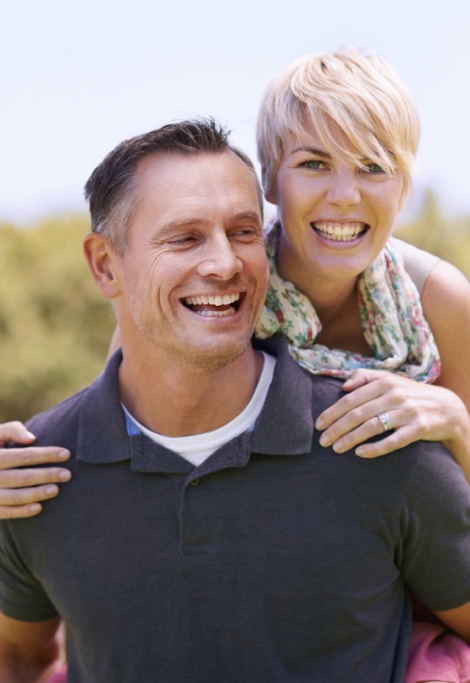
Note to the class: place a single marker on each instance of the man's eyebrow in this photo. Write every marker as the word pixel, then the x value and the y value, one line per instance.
pixel 171 226
pixel 247 215
pixel 189 222
pixel 311 150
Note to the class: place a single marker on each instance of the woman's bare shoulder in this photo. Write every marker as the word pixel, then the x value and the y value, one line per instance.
pixel 446 292
pixel 418 263
pixel 446 306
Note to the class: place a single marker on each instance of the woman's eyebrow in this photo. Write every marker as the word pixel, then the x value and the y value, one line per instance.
pixel 311 150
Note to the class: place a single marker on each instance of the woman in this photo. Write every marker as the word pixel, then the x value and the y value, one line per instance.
pixel 337 137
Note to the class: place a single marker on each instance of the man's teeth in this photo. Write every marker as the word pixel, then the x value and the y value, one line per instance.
pixel 212 300
pixel 220 314
pixel 339 231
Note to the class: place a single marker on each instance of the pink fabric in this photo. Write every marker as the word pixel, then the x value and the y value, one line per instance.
pixel 437 655
pixel 60 676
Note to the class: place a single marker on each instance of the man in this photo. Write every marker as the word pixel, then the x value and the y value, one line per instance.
pixel 205 534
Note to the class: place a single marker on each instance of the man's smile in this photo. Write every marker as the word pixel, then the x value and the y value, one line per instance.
pixel 214 305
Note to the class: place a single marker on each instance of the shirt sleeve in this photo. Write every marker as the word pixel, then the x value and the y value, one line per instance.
pixel 435 556
pixel 22 596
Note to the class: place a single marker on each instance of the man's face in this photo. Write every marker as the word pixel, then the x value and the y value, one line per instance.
pixel 194 274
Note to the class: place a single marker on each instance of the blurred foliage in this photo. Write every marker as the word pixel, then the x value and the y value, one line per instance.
pixel 55 326
pixel 448 238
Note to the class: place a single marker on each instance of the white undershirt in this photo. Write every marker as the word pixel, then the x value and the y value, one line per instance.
pixel 198 447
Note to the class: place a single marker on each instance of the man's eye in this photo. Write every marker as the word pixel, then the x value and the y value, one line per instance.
pixel 372 168
pixel 243 232
pixel 313 164
pixel 182 240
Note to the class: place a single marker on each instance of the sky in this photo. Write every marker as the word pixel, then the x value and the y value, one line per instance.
pixel 77 77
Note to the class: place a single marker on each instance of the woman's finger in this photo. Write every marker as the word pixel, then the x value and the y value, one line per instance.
pixel 21 457
pixel 360 416
pixel 365 431
pixel 399 439
pixel 352 401
pixel 15 431
pixel 20 511
pixel 10 479
pixel 14 497
pixel 361 377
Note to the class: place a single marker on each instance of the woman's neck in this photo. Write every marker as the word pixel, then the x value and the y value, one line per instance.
pixel 335 302
pixel 328 294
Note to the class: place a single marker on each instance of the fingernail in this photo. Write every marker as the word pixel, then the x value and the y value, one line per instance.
pixel 64 475
pixel 325 440
pixel 35 507
pixel 338 447
pixel 63 455
pixel 320 423
pixel 360 452
pixel 29 435
pixel 51 489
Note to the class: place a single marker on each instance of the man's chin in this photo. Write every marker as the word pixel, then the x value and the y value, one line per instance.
pixel 210 357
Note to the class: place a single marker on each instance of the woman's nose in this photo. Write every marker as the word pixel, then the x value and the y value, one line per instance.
pixel 344 190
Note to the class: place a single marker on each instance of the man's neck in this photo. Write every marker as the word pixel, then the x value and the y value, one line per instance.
pixel 174 399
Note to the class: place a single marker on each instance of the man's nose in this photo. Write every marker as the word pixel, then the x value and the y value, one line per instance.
pixel 220 259
pixel 343 190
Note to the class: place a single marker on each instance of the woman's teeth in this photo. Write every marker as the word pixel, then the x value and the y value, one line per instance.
pixel 198 305
pixel 339 231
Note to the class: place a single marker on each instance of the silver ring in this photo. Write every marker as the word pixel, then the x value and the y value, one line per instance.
pixel 385 420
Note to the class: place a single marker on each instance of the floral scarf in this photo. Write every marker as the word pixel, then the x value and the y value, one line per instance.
pixel 391 314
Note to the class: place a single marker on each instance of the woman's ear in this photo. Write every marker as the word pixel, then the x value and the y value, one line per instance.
pixel 267 187
pixel 102 261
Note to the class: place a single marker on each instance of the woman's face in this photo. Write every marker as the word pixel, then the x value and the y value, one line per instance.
pixel 336 216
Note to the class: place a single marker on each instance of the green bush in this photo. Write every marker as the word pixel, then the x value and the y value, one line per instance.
pixel 55 326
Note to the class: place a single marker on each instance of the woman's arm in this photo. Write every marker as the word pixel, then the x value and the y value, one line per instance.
pixel 417 411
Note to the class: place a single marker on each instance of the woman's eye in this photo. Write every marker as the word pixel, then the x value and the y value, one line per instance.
pixel 372 168
pixel 313 164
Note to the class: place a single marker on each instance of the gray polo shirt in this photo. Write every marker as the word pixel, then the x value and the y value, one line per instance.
pixel 276 560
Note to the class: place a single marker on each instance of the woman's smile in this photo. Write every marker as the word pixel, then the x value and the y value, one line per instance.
pixel 340 231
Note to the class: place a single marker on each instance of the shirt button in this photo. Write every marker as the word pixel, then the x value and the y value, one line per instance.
pixel 194 482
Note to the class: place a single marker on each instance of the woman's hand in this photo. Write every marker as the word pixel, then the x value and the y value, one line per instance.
pixel 21 489
pixel 416 411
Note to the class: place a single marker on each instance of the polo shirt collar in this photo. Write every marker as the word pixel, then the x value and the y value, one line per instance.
pixel 285 426
pixel 286 423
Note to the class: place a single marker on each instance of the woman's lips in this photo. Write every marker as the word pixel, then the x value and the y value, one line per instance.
pixel 340 232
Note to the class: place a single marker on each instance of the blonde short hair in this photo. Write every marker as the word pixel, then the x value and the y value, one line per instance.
pixel 359 91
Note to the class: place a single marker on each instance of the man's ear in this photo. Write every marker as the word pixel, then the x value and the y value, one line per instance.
pixel 102 260
pixel 267 187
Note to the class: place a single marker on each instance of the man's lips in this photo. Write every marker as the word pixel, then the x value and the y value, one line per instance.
pixel 340 231
pixel 217 305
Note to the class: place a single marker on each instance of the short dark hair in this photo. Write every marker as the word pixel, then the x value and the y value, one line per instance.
pixel 110 188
